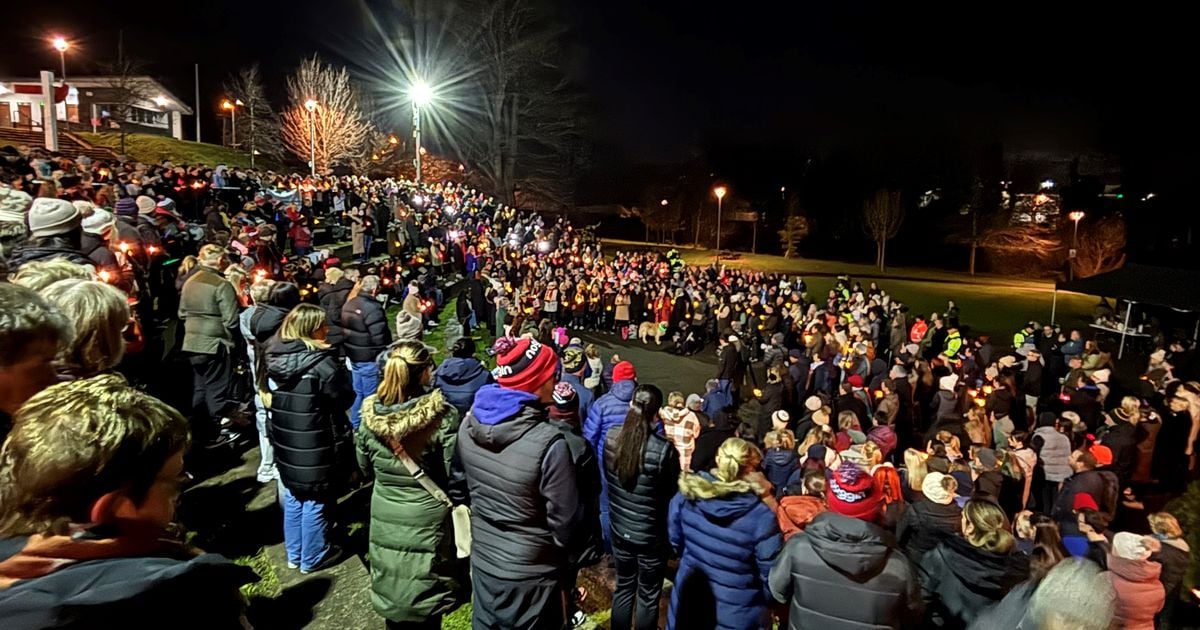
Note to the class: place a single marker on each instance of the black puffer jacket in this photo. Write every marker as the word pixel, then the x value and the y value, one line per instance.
pixel 638 513
pixel 45 249
pixel 308 423
pixel 333 298
pixel 364 324
pixel 844 574
pixel 265 322
pixel 960 580
pixel 926 523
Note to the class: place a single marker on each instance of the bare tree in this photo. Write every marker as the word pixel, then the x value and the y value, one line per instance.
pixel 257 125
pixel 1101 247
pixel 335 130
pixel 526 135
pixel 795 228
pixel 659 217
pixel 882 217
pixel 124 90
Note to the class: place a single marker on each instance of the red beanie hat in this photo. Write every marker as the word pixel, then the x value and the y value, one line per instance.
pixel 624 371
pixel 524 364
pixel 855 381
pixel 850 491
pixel 1084 500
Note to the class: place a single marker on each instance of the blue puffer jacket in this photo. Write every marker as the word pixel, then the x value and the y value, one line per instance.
pixel 778 465
pixel 607 412
pixel 459 379
pixel 726 545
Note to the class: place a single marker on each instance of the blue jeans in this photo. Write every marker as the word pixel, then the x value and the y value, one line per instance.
pixel 365 378
pixel 303 529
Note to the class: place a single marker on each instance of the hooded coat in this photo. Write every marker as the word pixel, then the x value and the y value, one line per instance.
pixel 727 540
pixel 333 298
pixel 925 523
pixel 1139 592
pixel 844 574
pixel 778 465
pixel 607 412
pixel 960 580
pixel 45 249
pixel 459 378
pixel 309 397
pixel 411 538
pixel 524 493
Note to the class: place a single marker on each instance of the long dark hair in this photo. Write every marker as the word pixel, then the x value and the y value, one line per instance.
pixel 631 442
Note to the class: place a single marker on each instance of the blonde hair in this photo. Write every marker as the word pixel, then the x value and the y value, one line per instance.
pixel 779 438
pixel 914 462
pixel 1131 409
pixel 1166 524
pixel 74 442
pixel 188 263
pixel 302 323
pixel 406 362
pixel 989 526
pixel 950 440
pixel 99 313
pixel 675 399
pixel 736 458
pixel 870 450
pixel 261 290
pixel 237 277
pixel 816 435
pixel 333 274
pixel 591 351
pixel 39 274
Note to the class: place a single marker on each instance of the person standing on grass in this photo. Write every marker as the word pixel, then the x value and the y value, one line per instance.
pixel 366 334
pixel 642 469
pixel 524 493
pixel 407 431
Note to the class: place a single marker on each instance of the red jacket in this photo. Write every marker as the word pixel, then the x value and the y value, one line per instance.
pixel 1139 592
pixel 917 333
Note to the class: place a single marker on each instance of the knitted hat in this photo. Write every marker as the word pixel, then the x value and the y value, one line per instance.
pixel 779 419
pixel 126 207
pixel 13 205
pixel 812 403
pixel 1084 500
pixel 408 326
pixel 948 382
pixel 566 403
pixel 816 452
pixel 97 222
pixel 850 492
pixel 50 217
pixel 145 205
pixel 573 360
pixel 624 371
pixel 855 381
pixel 1103 454
pixel 524 364
pixel 1130 546
pixel 885 438
pixel 934 488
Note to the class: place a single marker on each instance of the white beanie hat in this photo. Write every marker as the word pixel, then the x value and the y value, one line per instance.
pixel 948 382
pixel 50 217
pixel 14 204
pixel 779 419
pixel 934 490
pixel 812 403
pixel 145 205
pixel 98 221
pixel 1130 546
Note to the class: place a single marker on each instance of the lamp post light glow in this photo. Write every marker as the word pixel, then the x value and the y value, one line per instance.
pixel 61 44
pixel 719 191
pixel 311 106
pixel 231 107
pixel 1076 216
pixel 421 95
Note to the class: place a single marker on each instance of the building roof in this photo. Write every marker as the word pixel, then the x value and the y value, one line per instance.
pixel 147 85
pixel 1144 284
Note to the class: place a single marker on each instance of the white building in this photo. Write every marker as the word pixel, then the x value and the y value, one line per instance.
pixel 138 104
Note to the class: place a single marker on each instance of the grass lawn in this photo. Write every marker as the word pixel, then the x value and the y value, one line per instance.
pixel 155 149
pixel 991 304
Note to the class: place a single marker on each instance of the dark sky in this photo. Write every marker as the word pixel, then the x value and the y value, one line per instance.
pixel 669 77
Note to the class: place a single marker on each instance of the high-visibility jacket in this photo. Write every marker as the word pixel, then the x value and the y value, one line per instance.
pixel 1019 338
pixel 953 345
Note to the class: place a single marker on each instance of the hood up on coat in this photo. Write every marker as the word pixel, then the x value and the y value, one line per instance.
pixel 501 416
pixel 850 546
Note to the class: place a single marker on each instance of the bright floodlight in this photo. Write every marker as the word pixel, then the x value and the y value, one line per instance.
pixel 720 191
pixel 160 100
pixel 60 44
pixel 665 202
pixel 1076 215
pixel 311 105
pixel 421 93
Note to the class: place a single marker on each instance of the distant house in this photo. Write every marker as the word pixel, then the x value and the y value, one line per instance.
pixel 139 104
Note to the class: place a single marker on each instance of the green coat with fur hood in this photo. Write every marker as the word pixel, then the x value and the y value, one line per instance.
pixel 411 539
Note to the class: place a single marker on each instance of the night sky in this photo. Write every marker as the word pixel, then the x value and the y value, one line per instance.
pixel 670 79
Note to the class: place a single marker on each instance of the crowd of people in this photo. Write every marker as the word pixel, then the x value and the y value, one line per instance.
pixel 849 464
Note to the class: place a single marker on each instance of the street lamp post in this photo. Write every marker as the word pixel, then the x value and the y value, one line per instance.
pixel 61 44
pixel 1076 216
pixel 311 106
pixel 719 191
pixel 420 94
pixel 231 107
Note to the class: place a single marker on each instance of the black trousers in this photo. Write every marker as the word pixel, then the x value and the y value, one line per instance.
pixel 639 586
pixel 528 604
pixel 212 375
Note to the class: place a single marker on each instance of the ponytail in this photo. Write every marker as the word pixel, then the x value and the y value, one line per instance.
pixel 631 441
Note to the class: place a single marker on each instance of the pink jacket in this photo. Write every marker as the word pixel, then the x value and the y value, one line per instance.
pixel 1139 592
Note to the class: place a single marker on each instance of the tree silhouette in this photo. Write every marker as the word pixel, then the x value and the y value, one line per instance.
pixel 882 217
